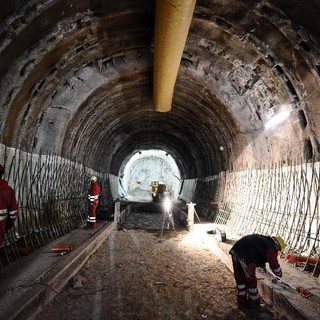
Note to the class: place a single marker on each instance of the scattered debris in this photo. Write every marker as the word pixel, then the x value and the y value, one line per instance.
pixel 303 291
pixel 61 249
pixel 77 282
pixel 295 258
pixel 219 234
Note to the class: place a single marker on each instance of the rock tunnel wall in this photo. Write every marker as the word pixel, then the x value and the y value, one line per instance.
pixel 188 188
pixel 52 196
pixel 72 71
pixel 282 200
pixel 203 193
pixel 76 79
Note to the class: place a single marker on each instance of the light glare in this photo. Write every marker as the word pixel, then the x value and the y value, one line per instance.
pixel 277 119
pixel 167 204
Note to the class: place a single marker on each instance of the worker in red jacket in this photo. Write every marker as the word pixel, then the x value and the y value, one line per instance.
pixel 8 207
pixel 93 197
pixel 248 253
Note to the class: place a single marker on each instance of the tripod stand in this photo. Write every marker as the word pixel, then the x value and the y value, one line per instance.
pixel 167 221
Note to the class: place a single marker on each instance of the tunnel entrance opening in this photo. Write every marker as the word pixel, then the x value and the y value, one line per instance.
pixel 139 170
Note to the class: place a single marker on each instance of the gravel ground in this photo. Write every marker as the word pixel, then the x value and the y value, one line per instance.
pixel 145 274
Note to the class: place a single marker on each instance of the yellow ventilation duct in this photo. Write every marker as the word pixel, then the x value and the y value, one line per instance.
pixel 172 23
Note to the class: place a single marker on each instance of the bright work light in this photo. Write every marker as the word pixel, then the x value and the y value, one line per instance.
pixel 277 118
pixel 167 204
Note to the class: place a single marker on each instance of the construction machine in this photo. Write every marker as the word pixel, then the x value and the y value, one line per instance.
pixel 158 191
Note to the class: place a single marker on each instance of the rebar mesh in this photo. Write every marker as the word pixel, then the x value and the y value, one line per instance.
pixel 279 200
pixel 52 196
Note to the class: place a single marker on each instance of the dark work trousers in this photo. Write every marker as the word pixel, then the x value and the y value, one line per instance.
pixel 246 280
pixel 92 220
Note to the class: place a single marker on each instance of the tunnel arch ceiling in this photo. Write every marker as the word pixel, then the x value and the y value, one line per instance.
pixel 76 79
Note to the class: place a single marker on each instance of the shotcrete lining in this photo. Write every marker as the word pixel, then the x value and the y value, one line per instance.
pixel 239 79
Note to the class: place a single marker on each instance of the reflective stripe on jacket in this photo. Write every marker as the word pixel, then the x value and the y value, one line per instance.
pixel 94 192
pixel 8 202
pixel 8 208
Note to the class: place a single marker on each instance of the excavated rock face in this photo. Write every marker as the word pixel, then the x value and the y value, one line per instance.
pixel 77 78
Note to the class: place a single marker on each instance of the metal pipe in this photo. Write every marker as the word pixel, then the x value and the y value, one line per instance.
pixel 172 23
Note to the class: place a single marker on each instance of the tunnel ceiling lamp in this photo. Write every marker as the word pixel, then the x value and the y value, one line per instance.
pixel 172 23
pixel 278 118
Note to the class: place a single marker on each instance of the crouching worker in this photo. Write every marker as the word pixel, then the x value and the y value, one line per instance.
pixel 247 254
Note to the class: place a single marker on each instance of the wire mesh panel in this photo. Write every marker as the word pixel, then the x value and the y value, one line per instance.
pixel 52 196
pixel 279 200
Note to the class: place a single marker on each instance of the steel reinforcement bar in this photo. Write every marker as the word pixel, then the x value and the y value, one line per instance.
pixel 279 199
pixel 52 196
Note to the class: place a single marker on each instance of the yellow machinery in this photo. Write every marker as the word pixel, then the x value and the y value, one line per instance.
pixel 158 190
pixel 154 186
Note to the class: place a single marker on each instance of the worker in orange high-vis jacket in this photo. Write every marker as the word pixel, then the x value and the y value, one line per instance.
pixel 248 253
pixel 93 197
pixel 8 207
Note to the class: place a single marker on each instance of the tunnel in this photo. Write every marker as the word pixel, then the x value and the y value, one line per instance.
pixel 95 87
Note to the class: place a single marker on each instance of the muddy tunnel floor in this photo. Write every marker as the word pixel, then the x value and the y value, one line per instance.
pixel 144 274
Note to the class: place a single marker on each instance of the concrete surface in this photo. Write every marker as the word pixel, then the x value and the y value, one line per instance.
pixel 32 282
pixel 285 300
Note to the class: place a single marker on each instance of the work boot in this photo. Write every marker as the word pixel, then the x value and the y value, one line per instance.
pixel 253 304
pixel 242 302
